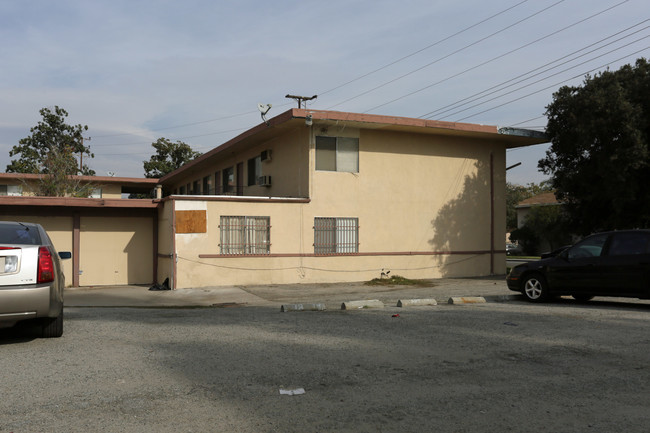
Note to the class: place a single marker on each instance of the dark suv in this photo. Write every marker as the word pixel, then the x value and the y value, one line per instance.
pixel 604 264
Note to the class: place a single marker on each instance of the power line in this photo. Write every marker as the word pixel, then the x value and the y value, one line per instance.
pixel 442 58
pixel 486 92
pixel 422 49
pixel 542 79
pixel 497 57
pixel 556 84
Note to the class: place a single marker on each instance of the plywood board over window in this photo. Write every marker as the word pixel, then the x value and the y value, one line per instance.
pixel 191 221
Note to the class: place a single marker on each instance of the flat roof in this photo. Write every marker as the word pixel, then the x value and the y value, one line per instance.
pixel 511 137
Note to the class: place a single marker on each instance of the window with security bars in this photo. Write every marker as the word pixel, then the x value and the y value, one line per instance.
pixel 336 235
pixel 245 235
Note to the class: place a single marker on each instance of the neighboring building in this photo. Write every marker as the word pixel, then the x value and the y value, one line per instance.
pixel 322 196
pixel 524 207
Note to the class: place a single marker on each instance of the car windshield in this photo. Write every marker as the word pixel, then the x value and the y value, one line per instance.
pixel 19 234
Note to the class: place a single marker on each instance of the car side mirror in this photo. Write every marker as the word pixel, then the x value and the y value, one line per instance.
pixel 65 255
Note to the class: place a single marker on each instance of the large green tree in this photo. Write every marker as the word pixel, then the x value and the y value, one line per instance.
pixel 168 157
pixel 51 134
pixel 599 158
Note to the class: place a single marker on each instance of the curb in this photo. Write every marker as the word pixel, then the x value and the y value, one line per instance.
pixel 355 305
pixel 416 302
pixel 466 300
pixel 302 307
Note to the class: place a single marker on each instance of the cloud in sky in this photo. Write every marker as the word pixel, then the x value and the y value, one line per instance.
pixel 134 71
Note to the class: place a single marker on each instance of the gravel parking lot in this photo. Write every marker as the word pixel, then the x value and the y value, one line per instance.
pixel 495 367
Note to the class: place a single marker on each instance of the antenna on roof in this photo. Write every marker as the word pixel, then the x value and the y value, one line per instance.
pixel 300 99
pixel 264 108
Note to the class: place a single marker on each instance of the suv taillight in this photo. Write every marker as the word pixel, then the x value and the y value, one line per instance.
pixel 45 265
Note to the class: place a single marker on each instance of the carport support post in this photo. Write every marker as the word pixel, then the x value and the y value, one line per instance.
pixel 76 245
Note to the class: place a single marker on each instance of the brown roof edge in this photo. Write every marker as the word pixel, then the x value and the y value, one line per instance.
pixel 392 120
pixel 277 120
pixel 90 179
pixel 78 202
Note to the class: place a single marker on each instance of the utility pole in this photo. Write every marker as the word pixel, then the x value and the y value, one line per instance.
pixel 300 99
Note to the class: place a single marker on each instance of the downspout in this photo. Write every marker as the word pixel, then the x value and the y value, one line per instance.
pixel 76 245
pixel 491 213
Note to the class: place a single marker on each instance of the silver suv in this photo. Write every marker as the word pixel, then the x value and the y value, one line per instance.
pixel 31 278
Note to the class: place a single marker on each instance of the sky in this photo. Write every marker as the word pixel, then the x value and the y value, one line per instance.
pixel 194 71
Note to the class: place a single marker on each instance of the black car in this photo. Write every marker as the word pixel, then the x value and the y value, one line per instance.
pixel 604 264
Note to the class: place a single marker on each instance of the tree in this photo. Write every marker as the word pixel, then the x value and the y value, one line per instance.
pixel 599 158
pixel 543 224
pixel 168 157
pixel 51 134
pixel 57 182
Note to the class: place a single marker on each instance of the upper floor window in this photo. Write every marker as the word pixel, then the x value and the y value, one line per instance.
pixel 337 154
pixel 254 170
pixel 228 183
pixel 11 190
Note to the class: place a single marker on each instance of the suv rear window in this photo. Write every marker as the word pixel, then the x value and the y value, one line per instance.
pixel 17 234
pixel 633 243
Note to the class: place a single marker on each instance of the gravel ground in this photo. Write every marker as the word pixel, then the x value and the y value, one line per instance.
pixel 497 367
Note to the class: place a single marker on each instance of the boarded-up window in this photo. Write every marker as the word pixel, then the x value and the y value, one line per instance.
pixel 191 221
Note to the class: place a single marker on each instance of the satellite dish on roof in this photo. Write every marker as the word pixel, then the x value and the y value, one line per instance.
pixel 264 108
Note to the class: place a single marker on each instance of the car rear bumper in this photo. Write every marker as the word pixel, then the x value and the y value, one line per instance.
pixel 28 302
pixel 513 284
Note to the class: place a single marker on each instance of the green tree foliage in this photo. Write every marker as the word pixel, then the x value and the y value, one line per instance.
pixel 168 157
pixel 543 224
pixel 57 182
pixel 518 193
pixel 599 157
pixel 51 134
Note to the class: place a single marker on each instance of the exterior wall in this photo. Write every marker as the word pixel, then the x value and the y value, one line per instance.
pixel 116 245
pixel 115 251
pixel 423 204
pixel 288 167
pixel 165 243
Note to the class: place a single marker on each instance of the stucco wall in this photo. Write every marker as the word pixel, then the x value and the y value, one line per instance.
pixel 423 203
pixel 288 166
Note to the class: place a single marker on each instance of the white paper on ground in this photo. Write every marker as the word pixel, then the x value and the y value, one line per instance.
pixel 296 391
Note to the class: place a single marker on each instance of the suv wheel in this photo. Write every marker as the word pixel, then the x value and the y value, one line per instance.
pixel 535 288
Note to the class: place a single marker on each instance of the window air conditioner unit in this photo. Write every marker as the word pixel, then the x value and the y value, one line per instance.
pixel 264 181
pixel 266 155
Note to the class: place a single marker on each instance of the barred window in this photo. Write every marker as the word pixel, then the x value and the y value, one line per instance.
pixel 245 235
pixel 336 235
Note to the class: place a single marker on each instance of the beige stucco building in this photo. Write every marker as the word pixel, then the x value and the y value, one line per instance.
pixel 313 196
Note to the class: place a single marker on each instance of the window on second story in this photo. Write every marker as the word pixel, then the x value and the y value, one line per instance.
pixel 254 170
pixel 96 193
pixel 11 190
pixel 337 154
pixel 228 180
pixel 206 185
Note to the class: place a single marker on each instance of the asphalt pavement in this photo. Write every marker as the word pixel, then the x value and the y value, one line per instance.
pixel 491 288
